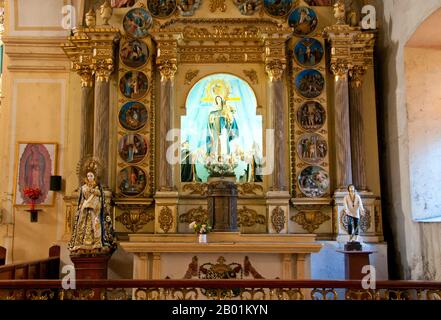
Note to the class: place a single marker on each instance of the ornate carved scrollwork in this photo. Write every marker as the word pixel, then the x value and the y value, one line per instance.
pixel 247 217
pixel 200 215
pixel 310 220
pixel 252 75
pixel 190 75
pixel 249 188
pixel 165 219
pixel 278 219
pixel 196 188
pixel 134 219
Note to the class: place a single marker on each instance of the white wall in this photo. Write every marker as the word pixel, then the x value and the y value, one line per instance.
pixel 416 246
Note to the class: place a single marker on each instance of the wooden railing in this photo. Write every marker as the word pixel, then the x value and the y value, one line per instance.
pixel 218 290
pixel 48 268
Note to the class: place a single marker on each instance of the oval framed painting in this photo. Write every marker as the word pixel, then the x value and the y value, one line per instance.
pixel 314 181
pixel 134 53
pixel 132 181
pixel 134 84
pixel 303 20
pixel 277 8
pixel 308 52
pixel 312 148
pixel 310 83
pixel 133 116
pixel 161 8
pixel 137 22
pixel 311 116
pixel 132 148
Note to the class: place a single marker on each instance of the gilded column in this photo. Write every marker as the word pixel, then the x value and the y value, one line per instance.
pixel 79 51
pixel 87 114
pixel 357 128
pixel 342 125
pixel 275 69
pixel 103 62
pixel 167 69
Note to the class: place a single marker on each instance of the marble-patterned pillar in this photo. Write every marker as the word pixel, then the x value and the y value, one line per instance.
pixel 357 128
pixel 342 126
pixel 101 126
pixel 87 115
pixel 167 69
pixel 275 69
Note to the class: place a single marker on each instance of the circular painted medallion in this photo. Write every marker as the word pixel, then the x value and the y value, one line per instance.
pixel 132 181
pixel 277 8
pixel 132 148
pixel 134 53
pixel 137 23
pixel 134 84
pixel 161 8
pixel 303 20
pixel 308 52
pixel 313 181
pixel 312 148
pixel 310 83
pixel 133 115
pixel 311 116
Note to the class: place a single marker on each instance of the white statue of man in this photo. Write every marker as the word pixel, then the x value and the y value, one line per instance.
pixel 353 208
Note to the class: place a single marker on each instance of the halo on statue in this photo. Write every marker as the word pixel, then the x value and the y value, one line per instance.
pixel 89 164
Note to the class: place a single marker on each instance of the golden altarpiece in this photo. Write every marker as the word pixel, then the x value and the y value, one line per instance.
pixel 282 92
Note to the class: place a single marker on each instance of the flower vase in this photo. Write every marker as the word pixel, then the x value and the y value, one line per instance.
pixel 202 238
pixel 32 205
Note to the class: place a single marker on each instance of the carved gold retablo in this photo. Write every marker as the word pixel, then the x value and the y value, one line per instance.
pixel 275 69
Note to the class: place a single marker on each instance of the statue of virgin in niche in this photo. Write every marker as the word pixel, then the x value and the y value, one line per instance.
pixel 222 129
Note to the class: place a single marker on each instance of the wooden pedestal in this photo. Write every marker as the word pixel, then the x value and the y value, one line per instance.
pixel 354 263
pixel 93 267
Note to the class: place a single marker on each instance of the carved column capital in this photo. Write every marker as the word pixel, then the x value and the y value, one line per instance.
pixel 275 68
pixel 168 69
pixel 356 74
pixel 340 68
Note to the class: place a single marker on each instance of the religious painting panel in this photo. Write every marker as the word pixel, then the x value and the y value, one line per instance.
pixel 312 148
pixel 303 20
pixel 314 181
pixel 162 8
pixel 310 83
pixel 311 116
pixel 323 3
pixel 35 164
pixel 134 84
pixel 277 8
pixel 221 133
pixel 308 52
pixel 133 116
pixel 134 53
pixel 122 3
pixel 248 7
pixel 132 148
pixel 188 7
pixel 137 23
pixel 132 181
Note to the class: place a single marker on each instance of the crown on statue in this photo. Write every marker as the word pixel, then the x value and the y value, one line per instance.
pixel 89 164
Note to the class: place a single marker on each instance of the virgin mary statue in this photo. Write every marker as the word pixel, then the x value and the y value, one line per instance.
pixel 92 231
pixel 222 129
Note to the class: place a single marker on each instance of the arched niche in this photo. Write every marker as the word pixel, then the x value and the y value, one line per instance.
pixel 237 135
pixel 422 56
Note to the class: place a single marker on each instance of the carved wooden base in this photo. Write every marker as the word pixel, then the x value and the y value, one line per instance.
pixel 90 267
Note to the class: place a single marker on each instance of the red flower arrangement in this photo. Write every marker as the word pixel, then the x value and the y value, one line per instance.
pixel 33 194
